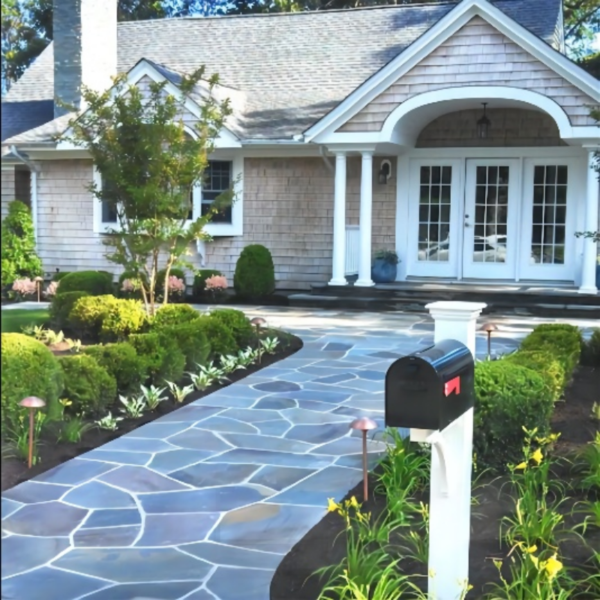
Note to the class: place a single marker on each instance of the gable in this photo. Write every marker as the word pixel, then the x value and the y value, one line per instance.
pixel 477 54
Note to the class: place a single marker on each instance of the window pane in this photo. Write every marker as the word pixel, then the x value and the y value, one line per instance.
pixel 217 180
pixel 434 214
pixel 109 212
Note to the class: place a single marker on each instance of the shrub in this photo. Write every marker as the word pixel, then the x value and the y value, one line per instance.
pixel 61 306
pixel 161 354
pixel 19 258
pixel 123 363
pixel 590 355
pixel 129 285
pixel 95 283
pixel 199 289
pixel 60 275
pixel 546 365
pixel 88 314
pixel 508 398
pixel 219 336
pixel 192 341
pixel 88 385
pixel 237 322
pixel 122 318
pixel 160 283
pixel 562 341
pixel 174 314
pixel 254 272
pixel 28 369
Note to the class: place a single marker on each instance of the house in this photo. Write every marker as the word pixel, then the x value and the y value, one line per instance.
pixel 456 133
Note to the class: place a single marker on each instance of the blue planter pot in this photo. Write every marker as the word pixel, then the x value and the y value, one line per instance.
pixel 598 276
pixel 383 272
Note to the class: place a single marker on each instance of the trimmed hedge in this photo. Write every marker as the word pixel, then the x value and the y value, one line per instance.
pixel 546 365
pixel 122 362
pixel 237 322
pixel 219 336
pixel 59 275
pixel 508 398
pixel 88 385
pixel 162 356
pixel 88 314
pixel 28 369
pixel 160 277
pixel 95 283
pixel 61 307
pixel 254 275
pixel 174 314
pixel 199 289
pixel 191 340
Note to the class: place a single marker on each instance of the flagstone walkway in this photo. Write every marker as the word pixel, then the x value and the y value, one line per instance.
pixel 204 503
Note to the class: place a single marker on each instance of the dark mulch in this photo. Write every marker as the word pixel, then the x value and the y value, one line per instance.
pixel 323 545
pixel 14 471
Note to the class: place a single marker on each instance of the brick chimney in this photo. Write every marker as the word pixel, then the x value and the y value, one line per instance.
pixel 85 48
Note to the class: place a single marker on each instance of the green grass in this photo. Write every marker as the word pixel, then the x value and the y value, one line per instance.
pixel 15 319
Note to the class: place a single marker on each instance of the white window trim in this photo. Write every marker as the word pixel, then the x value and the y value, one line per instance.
pixel 99 225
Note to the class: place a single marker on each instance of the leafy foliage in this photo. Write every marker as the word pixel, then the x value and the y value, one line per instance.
pixel 174 314
pixel 160 281
pixel 545 364
pixel 254 275
pixel 237 322
pixel 191 340
pixel 95 283
pixel 199 289
pixel 88 313
pixel 219 336
pixel 162 356
pixel 590 355
pixel 61 306
pixel 19 259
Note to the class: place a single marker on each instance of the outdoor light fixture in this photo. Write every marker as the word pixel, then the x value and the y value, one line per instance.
pixel 488 328
pixel 364 424
pixel 257 323
pixel 385 172
pixel 483 125
pixel 38 285
pixel 32 403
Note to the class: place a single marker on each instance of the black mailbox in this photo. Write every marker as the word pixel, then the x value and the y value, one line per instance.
pixel 431 388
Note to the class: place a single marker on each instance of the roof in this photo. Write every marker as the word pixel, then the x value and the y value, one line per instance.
pixel 290 69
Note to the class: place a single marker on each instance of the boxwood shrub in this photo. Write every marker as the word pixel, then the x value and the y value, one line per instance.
pixel 88 314
pixel 546 365
pixel 508 398
pixel 174 314
pixel 89 386
pixel 192 341
pixel 95 283
pixel 60 275
pixel 161 354
pixel 254 275
pixel 28 369
pixel 219 336
pixel 237 322
pixel 122 361
pixel 61 306
pixel 199 289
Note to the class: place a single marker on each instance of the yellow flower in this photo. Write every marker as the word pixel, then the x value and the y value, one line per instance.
pixel 552 566
pixel 534 560
pixel 354 502
pixel 531 549
pixel 521 466
pixel 498 564
pixel 331 505
pixel 431 573
pixel 537 456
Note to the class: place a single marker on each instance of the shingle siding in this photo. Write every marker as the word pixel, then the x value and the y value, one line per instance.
pixel 477 54
pixel 8 189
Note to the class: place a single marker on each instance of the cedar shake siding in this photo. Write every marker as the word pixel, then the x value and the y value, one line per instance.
pixel 477 54
pixel 8 188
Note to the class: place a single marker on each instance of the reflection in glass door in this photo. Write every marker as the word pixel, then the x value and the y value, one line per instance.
pixel 434 213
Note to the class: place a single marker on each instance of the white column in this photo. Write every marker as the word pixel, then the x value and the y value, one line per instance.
pixel 366 218
pixel 451 463
pixel 588 274
pixel 339 222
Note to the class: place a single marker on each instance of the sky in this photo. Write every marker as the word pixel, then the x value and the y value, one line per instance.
pixel 596 43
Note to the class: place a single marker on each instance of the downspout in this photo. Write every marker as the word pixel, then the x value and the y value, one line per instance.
pixel 326 160
pixel 34 169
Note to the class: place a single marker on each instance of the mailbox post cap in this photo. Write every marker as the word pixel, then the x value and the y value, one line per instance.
pixel 32 402
pixel 489 327
pixel 363 424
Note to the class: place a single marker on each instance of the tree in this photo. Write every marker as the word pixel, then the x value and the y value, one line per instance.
pixel 582 22
pixel 149 166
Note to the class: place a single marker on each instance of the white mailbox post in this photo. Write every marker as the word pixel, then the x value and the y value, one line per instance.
pixel 451 465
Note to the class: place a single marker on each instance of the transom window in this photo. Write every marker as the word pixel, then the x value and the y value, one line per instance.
pixel 434 213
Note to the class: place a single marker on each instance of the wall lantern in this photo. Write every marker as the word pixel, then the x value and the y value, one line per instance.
pixel 385 172
pixel 483 125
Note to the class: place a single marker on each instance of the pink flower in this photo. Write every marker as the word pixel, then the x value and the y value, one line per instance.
pixel 25 287
pixel 216 283
pixel 131 285
pixel 176 285
pixel 51 289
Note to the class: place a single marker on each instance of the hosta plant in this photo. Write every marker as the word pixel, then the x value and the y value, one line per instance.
pixel 180 393
pixel 269 345
pixel 246 357
pixel 153 396
pixel 109 423
pixel 201 381
pixel 72 430
pixel 229 364
pixel 133 407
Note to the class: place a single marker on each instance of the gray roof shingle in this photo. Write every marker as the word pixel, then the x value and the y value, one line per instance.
pixel 291 68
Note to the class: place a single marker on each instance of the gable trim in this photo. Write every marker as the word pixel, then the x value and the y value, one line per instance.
pixel 432 39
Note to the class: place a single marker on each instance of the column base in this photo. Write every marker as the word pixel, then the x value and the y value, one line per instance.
pixel 593 290
pixel 335 281
pixel 364 283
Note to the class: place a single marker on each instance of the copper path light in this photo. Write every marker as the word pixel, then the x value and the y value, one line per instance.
pixel 32 403
pixel 488 328
pixel 38 286
pixel 364 424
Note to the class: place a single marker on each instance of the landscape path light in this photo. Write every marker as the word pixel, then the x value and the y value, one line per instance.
pixel 257 323
pixel 488 328
pixel 32 403
pixel 38 284
pixel 364 424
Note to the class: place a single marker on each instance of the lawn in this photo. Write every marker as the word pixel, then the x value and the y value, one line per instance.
pixel 14 320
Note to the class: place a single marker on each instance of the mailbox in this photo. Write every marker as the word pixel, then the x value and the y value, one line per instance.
pixel 431 388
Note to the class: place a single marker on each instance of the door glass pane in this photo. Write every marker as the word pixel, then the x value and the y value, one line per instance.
pixel 549 214
pixel 491 214
pixel 434 213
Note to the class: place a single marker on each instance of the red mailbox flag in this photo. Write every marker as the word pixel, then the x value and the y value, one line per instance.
pixel 452 386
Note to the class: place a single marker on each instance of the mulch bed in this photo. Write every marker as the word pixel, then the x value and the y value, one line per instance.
pixel 14 471
pixel 323 545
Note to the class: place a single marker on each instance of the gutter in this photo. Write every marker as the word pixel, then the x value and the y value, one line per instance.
pixel 34 169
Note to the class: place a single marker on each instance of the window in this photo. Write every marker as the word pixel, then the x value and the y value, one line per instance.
pixel 23 185
pixel 434 214
pixel 109 212
pixel 217 179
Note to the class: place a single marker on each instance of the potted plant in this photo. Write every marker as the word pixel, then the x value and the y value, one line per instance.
pixel 385 269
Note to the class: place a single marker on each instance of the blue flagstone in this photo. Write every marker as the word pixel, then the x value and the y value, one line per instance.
pixel 189 414
pixel 225 583
pixel 264 442
pixel 112 517
pixel 322 396
pixel 251 415
pixel 318 434
pixel 354 461
pixel 201 594
pixel 275 403
pixel 315 405
pixel 118 457
pixel 217 499
pixel 177 459
pixel 218 554
pixel 347 445
pixel 140 479
pixel 199 439
pixel 373 402
pixel 47 583
pixel 358 412
pixel 335 346
pixel 386 354
pixel 277 386
pixel 225 402
pixel 99 495
pixel 175 529
pixel 156 591
pixel 105 537
pixel 331 482
pixel 133 444
pixel 50 519
pixel 211 474
pixel 31 492
pixel 370 375
pixel 299 377
pixel 21 553
pixel 9 506
pixel 301 416
pixel 266 457
pixel 74 472
pixel 133 565
pixel 267 527
pixel 273 428
pixel 156 430
pixel 279 478
pixel 331 379
pixel 225 424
